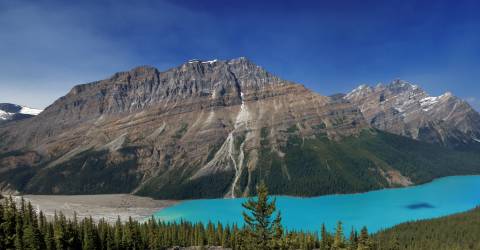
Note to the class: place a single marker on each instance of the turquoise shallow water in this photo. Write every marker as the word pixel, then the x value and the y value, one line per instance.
pixel 376 209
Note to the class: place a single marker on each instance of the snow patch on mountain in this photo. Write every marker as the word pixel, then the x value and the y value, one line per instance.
pixel 427 103
pixel 360 90
pixel 30 111
pixel 200 61
pixel 10 111
pixel 5 115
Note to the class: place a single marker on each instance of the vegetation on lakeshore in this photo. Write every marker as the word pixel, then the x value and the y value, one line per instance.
pixel 459 231
pixel 22 227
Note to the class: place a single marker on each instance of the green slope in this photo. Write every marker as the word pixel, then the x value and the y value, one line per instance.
pixel 309 167
pixel 459 231
pixel 320 166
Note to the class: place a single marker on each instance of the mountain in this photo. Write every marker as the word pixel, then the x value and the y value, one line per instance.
pixel 210 129
pixel 405 109
pixel 13 112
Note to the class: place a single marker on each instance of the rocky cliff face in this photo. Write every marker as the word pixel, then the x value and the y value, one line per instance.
pixel 406 109
pixel 216 129
pixel 142 128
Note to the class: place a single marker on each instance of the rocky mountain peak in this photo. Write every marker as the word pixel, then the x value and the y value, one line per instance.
pixel 359 92
pixel 221 82
pixel 401 84
pixel 14 112
pixel 168 129
pixel 406 109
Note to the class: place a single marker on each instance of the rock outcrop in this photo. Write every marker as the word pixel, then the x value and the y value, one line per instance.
pixel 405 109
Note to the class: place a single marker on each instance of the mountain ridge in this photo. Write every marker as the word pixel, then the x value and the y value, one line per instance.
pixel 406 109
pixel 207 129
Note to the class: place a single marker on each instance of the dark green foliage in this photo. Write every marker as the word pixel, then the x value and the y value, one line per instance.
pixel 22 228
pixel 176 184
pixel 18 177
pixel 459 231
pixel 89 172
pixel 339 238
pixel 320 166
pixel 263 230
pixel 306 167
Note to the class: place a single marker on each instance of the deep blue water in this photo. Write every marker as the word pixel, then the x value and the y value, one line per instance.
pixel 376 210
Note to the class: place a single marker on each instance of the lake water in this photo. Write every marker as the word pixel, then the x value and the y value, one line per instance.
pixel 376 210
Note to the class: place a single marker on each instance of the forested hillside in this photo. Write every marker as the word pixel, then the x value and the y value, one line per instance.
pixel 459 231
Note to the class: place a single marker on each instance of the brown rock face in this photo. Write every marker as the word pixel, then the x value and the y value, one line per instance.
pixel 140 129
pixel 405 109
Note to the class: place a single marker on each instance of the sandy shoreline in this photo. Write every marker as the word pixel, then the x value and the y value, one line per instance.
pixel 107 206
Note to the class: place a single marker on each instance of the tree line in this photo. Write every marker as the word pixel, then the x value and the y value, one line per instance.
pixel 459 231
pixel 22 227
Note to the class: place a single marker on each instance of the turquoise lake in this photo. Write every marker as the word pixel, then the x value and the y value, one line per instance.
pixel 376 210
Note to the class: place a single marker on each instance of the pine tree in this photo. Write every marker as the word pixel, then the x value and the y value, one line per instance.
pixel 59 231
pixel 88 235
pixel 49 237
pixel 118 235
pixel 339 239
pixel 9 224
pixel 31 238
pixel 18 232
pixel 259 224
pixel 395 245
pixel 2 222
pixel 353 241
pixel 325 242
pixel 364 242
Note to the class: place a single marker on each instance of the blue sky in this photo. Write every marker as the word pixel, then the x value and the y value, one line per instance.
pixel 46 47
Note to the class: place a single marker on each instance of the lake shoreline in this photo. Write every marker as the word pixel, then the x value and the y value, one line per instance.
pixel 101 206
pixel 336 194
pixel 378 209
pixel 111 206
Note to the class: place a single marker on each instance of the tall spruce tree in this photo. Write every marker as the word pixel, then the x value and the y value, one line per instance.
pixel 339 239
pixel 262 228
pixel 364 241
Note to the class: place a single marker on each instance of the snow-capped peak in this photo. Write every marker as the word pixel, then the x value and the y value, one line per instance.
pixel 30 111
pixel 211 61
pixel 4 115
pixel 207 62
pixel 357 91
pixel 10 111
pixel 447 94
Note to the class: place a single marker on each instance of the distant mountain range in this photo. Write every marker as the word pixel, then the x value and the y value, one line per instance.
pixel 13 112
pixel 217 128
pixel 405 109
